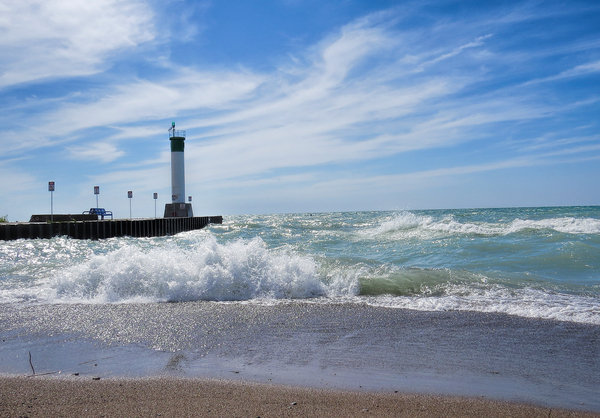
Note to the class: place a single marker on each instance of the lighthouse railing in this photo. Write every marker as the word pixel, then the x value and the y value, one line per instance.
pixel 173 134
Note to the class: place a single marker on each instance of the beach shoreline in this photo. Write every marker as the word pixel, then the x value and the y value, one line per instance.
pixel 67 396
pixel 345 347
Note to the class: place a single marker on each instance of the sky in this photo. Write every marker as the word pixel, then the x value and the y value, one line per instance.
pixel 294 106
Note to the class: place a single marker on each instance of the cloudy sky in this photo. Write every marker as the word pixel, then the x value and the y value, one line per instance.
pixel 299 105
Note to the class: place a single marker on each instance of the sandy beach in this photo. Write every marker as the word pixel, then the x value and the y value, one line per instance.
pixel 169 397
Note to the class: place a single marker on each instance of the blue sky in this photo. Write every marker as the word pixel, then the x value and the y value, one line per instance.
pixel 299 105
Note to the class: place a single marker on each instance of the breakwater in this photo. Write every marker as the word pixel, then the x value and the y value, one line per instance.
pixel 101 229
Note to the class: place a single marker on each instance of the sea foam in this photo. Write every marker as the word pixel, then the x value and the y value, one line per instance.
pixel 409 224
pixel 524 302
pixel 241 270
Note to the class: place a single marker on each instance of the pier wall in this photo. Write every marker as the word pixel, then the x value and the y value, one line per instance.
pixel 105 228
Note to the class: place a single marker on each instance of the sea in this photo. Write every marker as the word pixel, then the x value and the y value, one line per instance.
pixel 498 303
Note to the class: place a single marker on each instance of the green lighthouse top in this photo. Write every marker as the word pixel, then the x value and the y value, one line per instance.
pixel 177 139
pixel 175 134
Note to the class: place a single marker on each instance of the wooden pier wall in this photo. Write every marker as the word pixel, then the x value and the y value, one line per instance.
pixel 94 230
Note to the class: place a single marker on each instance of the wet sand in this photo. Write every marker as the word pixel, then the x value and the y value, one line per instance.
pixel 169 397
pixel 343 347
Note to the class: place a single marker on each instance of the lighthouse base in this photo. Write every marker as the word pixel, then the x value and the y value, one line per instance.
pixel 178 210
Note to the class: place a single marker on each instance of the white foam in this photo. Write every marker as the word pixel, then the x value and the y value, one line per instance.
pixel 408 224
pixel 565 225
pixel 402 221
pixel 207 270
pixel 524 302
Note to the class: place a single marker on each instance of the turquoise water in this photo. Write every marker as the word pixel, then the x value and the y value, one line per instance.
pixel 528 262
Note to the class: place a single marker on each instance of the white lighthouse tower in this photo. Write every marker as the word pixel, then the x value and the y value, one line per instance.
pixel 178 207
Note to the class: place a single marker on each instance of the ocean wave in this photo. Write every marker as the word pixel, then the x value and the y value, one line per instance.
pixel 409 224
pixel 524 302
pixel 564 225
pixel 241 270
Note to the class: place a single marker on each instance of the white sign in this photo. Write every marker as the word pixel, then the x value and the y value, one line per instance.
pixel 50 186
pixel 96 189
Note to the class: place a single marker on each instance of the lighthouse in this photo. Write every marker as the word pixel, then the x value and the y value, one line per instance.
pixel 178 207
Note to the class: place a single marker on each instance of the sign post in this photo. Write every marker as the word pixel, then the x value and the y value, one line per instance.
pixel 96 192
pixel 130 196
pixel 51 190
pixel 155 197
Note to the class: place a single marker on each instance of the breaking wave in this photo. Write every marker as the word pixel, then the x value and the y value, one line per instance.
pixel 241 270
pixel 412 224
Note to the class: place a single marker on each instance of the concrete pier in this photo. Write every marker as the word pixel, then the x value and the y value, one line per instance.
pixel 95 229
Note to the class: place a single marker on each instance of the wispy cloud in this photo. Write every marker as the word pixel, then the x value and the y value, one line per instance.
pixel 104 152
pixel 65 38
pixel 577 71
pixel 476 43
pixel 142 100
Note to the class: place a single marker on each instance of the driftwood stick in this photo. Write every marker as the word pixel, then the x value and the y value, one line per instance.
pixel 31 364
pixel 44 374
